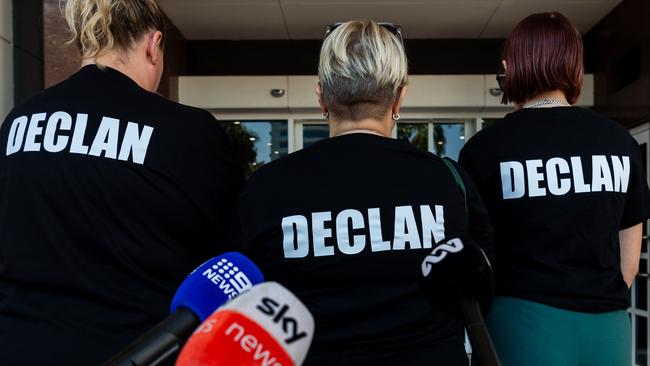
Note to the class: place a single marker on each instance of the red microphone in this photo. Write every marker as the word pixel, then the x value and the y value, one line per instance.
pixel 266 326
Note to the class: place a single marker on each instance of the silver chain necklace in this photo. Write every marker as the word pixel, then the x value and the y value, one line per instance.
pixel 546 101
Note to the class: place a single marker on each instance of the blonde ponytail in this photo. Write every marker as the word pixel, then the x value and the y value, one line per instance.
pixel 99 26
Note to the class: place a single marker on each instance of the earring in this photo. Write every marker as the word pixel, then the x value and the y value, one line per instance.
pixel 325 114
pixel 396 116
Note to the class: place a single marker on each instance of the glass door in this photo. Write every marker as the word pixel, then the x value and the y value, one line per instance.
pixel 257 142
pixel 441 137
pixel 640 296
pixel 309 132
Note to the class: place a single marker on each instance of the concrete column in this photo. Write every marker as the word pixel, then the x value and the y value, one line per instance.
pixel 6 59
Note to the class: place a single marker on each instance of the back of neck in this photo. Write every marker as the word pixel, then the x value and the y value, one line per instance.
pixel 370 126
pixel 550 99
pixel 115 62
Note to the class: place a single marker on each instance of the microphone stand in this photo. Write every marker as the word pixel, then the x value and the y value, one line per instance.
pixel 479 337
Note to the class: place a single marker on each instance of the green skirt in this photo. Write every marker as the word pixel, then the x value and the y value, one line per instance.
pixel 527 333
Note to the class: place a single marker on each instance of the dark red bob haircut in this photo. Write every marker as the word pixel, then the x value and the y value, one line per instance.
pixel 543 53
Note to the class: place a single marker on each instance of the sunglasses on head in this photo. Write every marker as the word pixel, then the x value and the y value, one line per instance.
pixel 393 28
pixel 501 77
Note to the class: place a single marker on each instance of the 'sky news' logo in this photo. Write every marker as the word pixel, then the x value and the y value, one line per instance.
pixel 279 316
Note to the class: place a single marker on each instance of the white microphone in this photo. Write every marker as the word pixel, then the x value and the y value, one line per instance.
pixel 268 325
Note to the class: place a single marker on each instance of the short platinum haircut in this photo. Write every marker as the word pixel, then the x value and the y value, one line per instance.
pixel 362 68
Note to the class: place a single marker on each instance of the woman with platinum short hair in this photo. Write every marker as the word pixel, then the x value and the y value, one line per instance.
pixel 363 76
pixel 346 222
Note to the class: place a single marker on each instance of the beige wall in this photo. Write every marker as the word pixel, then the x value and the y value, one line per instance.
pixel 62 59
pixel 443 93
pixel 6 59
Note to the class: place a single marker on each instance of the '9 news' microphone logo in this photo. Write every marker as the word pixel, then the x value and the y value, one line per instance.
pixel 439 253
pixel 228 277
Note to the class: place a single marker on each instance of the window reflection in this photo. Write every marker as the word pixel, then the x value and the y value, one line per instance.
pixel 489 122
pixel 416 133
pixel 256 143
pixel 641 287
pixel 448 138
pixel 641 353
pixel 644 164
pixel 312 133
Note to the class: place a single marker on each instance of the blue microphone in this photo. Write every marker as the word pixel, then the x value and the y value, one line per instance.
pixel 203 291
pixel 214 282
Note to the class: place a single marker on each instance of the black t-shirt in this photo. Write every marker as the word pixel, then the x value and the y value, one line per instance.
pixel 109 196
pixel 345 225
pixel 559 184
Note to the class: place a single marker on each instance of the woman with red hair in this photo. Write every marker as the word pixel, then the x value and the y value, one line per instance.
pixel 567 195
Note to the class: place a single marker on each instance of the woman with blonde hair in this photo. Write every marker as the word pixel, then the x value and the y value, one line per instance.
pixel 109 195
pixel 346 222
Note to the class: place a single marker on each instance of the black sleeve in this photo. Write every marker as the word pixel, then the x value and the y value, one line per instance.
pixel 637 199
pixel 235 238
pixel 254 203
pixel 253 224
pixel 466 162
pixel 230 183
pixel 480 227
